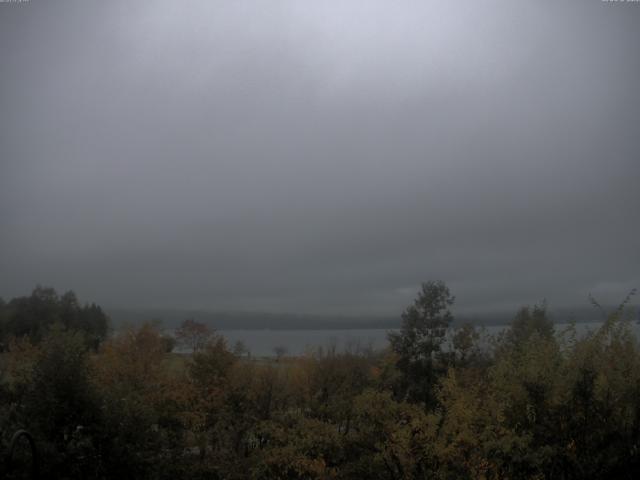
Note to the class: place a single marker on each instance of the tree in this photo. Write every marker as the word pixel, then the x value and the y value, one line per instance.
pixel 211 365
pixel 280 351
pixel 61 403
pixel 464 345
pixel 528 322
pixel 32 316
pixel 193 335
pixel 418 345
pixel 132 379
pixel 389 440
pixel 169 343
pixel 240 349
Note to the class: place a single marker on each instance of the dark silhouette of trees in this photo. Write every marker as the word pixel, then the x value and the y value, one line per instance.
pixel 34 315
pixel 528 322
pixel 418 345
pixel 531 404
pixel 60 406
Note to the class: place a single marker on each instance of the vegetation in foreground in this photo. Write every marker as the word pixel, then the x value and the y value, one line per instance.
pixel 439 403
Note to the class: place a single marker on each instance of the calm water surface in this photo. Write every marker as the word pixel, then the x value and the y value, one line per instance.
pixel 296 342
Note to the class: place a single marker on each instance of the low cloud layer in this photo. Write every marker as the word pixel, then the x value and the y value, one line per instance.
pixel 320 156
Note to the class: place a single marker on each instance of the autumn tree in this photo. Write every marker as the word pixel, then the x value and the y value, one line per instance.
pixel 193 335
pixel 133 381
pixel 212 364
pixel 210 373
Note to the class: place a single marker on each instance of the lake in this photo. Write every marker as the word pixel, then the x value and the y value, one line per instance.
pixel 261 343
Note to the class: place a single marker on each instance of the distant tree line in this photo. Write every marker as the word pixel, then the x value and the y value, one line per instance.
pixel 33 316
pixel 438 403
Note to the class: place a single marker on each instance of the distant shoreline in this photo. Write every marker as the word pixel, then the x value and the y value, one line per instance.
pixel 171 318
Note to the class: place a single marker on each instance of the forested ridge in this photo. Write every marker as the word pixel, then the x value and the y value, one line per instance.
pixel 441 402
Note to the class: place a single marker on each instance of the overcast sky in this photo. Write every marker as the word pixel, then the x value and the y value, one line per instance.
pixel 320 156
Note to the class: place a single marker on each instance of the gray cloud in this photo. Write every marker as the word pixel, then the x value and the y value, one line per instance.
pixel 319 156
